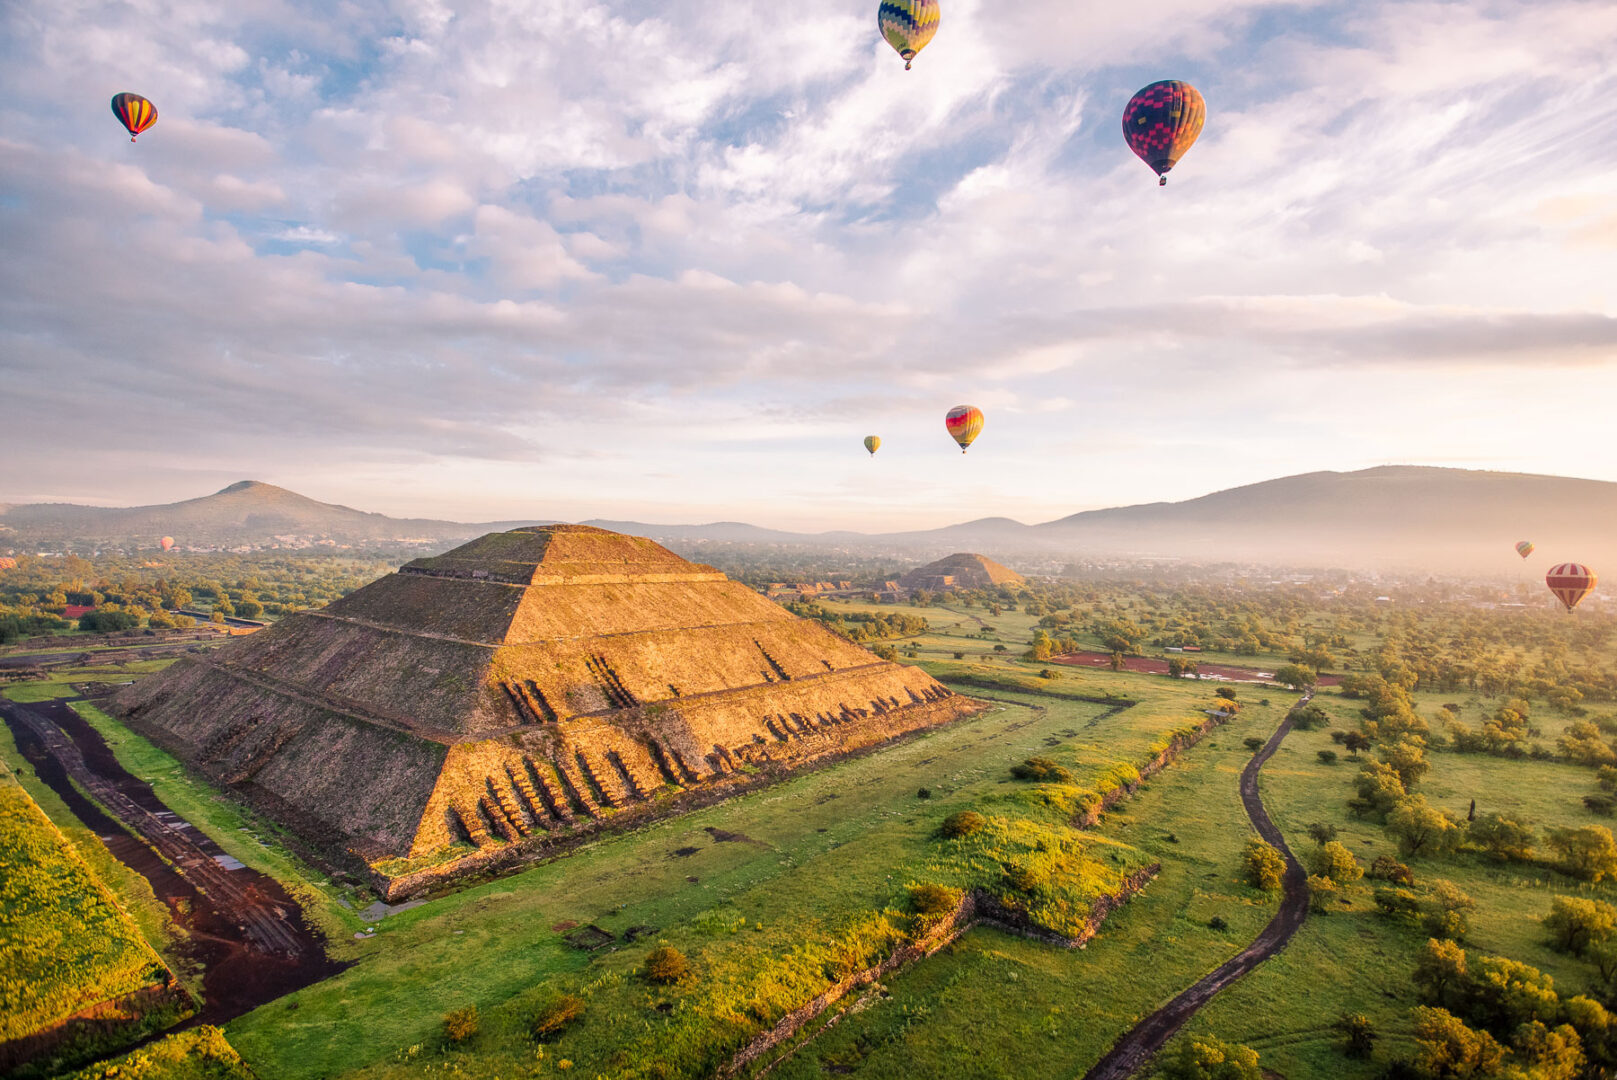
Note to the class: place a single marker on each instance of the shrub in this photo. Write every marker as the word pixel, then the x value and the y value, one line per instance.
pixel 959 656
pixel 1397 903
pixel 1321 890
pixel 1252 742
pixel 1226 693
pixel 461 1024
pixel 1321 833
pixel 666 964
pixel 1600 804
pixel 1387 868
pixel 1217 923
pixel 1265 866
pixel 1334 861
pixel 1041 769
pixel 963 823
pixel 929 899
pixel 1212 1059
pixel 1327 757
pixel 1049 673
pixel 553 1018
pixel 924 793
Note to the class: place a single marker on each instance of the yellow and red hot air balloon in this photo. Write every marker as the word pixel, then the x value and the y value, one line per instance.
pixel 1524 548
pixel 167 542
pixel 1162 121
pixel 1571 582
pixel 965 423
pixel 873 444
pixel 908 25
pixel 134 112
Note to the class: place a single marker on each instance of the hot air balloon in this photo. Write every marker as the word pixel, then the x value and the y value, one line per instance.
pixel 1162 121
pixel 134 112
pixel 964 422
pixel 8 563
pixel 167 542
pixel 1571 582
pixel 873 443
pixel 1525 548
pixel 908 25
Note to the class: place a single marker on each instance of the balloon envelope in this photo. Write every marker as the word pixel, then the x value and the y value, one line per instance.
pixel 1525 548
pixel 1571 582
pixel 873 443
pixel 908 25
pixel 134 112
pixel 964 423
pixel 1162 121
pixel 167 542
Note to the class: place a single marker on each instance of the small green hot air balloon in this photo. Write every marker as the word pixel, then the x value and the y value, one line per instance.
pixel 873 444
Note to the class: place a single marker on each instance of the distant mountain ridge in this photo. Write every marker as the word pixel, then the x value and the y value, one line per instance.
pixel 1390 516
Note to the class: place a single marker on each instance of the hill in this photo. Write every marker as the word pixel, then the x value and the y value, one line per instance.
pixel 1447 520
pixel 245 513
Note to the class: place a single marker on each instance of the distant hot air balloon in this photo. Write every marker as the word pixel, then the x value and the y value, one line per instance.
pixel 873 443
pixel 1571 582
pixel 7 563
pixel 1525 548
pixel 134 112
pixel 908 25
pixel 167 542
pixel 964 423
pixel 1162 121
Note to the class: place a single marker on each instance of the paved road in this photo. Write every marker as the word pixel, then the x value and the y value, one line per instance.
pixel 1135 1048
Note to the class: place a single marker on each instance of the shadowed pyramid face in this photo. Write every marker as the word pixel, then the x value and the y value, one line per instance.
pixel 518 685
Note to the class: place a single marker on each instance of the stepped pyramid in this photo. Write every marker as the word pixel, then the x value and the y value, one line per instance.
pixel 518 688
pixel 963 570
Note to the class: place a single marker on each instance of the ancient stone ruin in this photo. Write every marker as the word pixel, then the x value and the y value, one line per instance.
pixel 514 692
pixel 960 571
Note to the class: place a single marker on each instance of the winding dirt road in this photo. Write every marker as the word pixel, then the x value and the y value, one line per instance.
pixel 1135 1048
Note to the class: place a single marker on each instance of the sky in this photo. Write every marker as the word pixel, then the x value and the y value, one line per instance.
pixel 671 260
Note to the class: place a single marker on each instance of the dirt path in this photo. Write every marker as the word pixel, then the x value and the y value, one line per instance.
pixel 249 936
pixel 1135 1048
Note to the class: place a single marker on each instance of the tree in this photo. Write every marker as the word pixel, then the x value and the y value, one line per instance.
pixel 1548 1053
pixel 1449 1049
pixel 1326 757
pixel 1576 924
pixel 1502 838
pixel 1421 829
pixel 551 1020
pixel 1321 891
pixel 1212 1059
pixel 1380 789
pixel 1321 833
pixel 1296 676
pixel 1447 911
pixel 1504 994
pixel 1356 742
pixel 1440 973
pixel 1225 692
pixel 1336 862
pixel 1588 853
pixel 1359 1034
pixel 1310 717
pixel 1407 757
pixel 1584 744
pixel 1265 866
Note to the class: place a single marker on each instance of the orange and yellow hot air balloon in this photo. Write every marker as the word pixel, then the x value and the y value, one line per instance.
pixel 965 423
pixel 167 542
pixel 1162 121
pixel 873 444
pixel 1571 582
pixel 908 25
pixel 134 112
pixel 1524 548
pixel 7 562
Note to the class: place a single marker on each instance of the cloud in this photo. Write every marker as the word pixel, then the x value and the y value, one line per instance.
pixel 477 236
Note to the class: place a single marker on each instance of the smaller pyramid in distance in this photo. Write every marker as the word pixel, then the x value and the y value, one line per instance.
pixel 515 693
pixel 963 570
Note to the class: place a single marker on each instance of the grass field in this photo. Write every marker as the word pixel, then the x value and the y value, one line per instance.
pixel 198 1054
pixel 1285 1008
pixel 792 885
pixel 65 943
pixel 1045 1011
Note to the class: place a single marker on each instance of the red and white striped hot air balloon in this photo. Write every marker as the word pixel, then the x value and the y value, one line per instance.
pixel 1571 582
